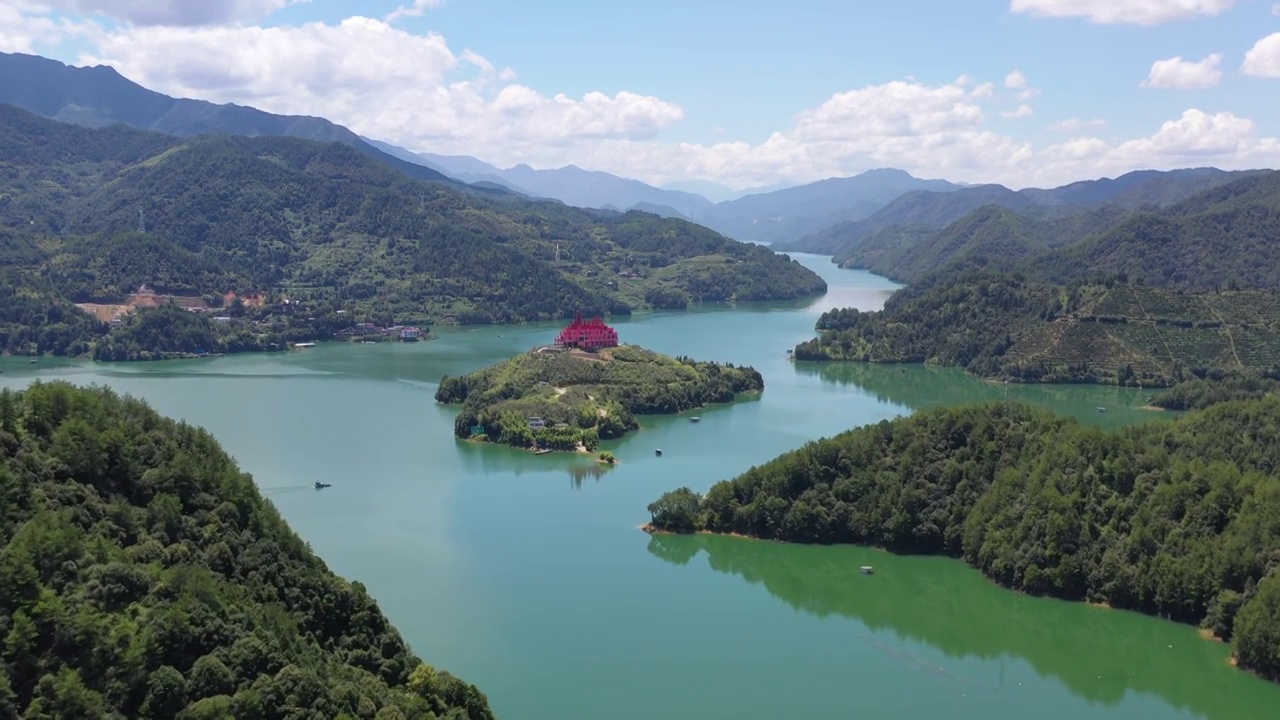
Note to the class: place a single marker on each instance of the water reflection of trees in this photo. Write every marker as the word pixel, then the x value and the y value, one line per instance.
pixel 919 387
pixel 579 473
pixel 1098 654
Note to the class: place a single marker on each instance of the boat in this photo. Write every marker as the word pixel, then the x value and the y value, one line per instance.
pixel 321 485
pixel 658 452
pixel 542 451
pixel 866 570
pixel 304 345
pixel 695 419
pixel 1100 409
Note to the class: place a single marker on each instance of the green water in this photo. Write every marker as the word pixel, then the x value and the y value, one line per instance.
pixel 528 576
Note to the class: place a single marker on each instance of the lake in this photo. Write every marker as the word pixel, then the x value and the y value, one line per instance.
pixel 528 575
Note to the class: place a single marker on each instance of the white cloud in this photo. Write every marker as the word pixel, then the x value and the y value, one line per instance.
pixel 1196 139
pixel 170 12
pixel 1180 74
pixel 1128 12
pixel 1275 9
pixel 1263 59
pixel 1076 124
pixel 414 9
pixel 377 79
pixel 1022 111
pixel 1018 83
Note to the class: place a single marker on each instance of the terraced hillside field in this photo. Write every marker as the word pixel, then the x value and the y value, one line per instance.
pixel 1000 326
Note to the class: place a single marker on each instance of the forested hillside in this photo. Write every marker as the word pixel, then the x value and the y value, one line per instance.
pixel 1226 236
pixel 1006 326
pixel 99 97
pixel 1177 519
pixel 1223 236
pixel 930 212
pixel 281 217
pixel 990 236
pixel 143 575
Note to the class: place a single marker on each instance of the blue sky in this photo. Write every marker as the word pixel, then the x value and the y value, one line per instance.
pixel 748 67
pixel 743 93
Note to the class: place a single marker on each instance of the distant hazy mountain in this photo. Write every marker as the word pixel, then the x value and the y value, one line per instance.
pixel 786 215
pixel 663 210
pixel 100 96
pixel 718 192
pixel 570 184
pixel 932 211
pixel 765 216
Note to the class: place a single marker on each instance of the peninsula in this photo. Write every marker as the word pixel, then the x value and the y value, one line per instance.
pixel 142 574
pixel 584 388
pixel 1172 519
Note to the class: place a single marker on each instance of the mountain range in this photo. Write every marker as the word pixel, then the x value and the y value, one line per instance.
pixel 322 222
pixel 922 212
pixel 885 219
pixel 100 96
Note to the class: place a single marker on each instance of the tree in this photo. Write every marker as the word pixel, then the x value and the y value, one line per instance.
pixel 65 697
pixel 166 694
pixel 677 511
pixel 209 677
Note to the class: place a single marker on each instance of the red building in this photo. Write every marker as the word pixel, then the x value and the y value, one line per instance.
pixel 587 335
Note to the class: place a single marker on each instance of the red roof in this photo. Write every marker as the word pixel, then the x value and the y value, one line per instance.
pixel 588 334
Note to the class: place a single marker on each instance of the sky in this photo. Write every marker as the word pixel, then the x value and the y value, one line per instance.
pixel 743 93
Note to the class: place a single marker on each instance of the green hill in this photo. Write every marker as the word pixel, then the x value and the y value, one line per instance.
pixel 590 396
pixel 320 223
pixel 931 212
pixel 1005 326
pixel 143 575
pixel 990 236
pixel 1229 235
pixel 100 97
pixel 1174 519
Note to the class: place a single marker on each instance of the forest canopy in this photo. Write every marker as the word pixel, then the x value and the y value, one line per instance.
pixel 143 575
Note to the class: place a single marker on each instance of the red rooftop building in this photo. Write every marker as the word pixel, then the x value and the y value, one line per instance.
pixel 587 335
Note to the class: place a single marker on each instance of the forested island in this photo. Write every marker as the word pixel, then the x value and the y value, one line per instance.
pixel 1179 519
pixel 89 216
pixel 143 575
pixel 579 398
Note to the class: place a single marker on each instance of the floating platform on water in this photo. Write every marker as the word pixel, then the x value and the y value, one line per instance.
pixel 866 570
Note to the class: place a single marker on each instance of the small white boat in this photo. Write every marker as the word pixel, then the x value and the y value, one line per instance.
pixel 866 570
